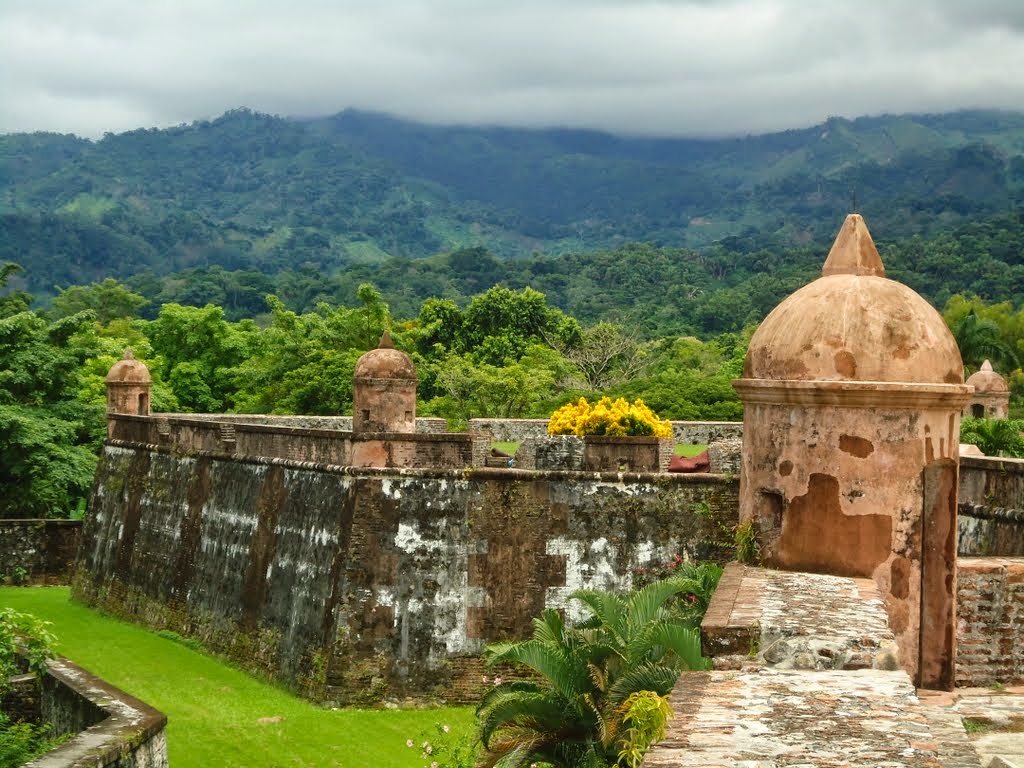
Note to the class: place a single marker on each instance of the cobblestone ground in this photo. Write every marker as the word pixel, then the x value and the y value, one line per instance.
pixel 771 718
pixel 806 677
pixel 995 720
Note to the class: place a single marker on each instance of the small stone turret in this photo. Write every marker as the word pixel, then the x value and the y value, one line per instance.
pixel 129 387
pixel 991 398
pixel 384 390
pixel 852 390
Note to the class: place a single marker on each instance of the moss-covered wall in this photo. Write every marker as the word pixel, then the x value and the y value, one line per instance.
pixel 356 585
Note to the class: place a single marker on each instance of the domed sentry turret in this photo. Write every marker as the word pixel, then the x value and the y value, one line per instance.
pixel 384 390
pixel 991 398
pixel 852 392
pixel 129 386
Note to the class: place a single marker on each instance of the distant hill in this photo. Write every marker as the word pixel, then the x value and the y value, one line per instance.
pixel 249 191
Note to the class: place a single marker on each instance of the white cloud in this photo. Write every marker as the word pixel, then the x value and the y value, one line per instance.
pixel 734 66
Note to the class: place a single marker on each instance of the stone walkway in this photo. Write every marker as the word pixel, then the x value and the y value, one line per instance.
pixel 806 677
pixel 995 720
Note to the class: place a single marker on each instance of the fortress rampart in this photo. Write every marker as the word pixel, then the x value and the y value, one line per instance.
pixel 359 584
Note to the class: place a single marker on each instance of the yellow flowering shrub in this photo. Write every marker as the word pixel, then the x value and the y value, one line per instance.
pixel 607 417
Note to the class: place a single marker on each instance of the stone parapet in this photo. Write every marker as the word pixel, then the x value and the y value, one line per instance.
pixel 797 621
pixel 991 507
pixel 689 432
pixel 769 718
pixel 805 675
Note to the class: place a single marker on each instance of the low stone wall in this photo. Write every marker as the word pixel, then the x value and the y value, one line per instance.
pixel 991 507
pixel 110 728
pixel 595 453
pixel 689 432
pixel 510 430
pixel 424 424
pixel 321 446
pixel 356 585
pixel 985 531
pixel 990 613
pixel 706 432
pixel 44 549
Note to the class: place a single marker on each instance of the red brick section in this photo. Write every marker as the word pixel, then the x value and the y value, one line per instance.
pixel 729 629
pixel 990 621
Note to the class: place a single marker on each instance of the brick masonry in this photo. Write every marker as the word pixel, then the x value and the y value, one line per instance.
pixel 991 621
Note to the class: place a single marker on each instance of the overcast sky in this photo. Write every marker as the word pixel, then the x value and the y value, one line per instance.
pixel 678 67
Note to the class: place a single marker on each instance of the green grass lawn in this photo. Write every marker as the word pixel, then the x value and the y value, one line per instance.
pixel 213 709
pixel 689 451
pixel 509 447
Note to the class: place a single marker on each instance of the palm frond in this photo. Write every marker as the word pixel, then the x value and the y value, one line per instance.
pixel 663 635
pixel 565 672
pixel 608 608
pixel 549 627
pixel 644 677
pixel 644 605
pixel 512 686
pixel 531 711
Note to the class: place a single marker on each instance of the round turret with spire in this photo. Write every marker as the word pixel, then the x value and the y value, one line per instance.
pixel 384 390
pixel 852 389
pixel 991 397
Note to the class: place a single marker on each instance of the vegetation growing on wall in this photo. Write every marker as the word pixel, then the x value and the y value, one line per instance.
pixel 22 635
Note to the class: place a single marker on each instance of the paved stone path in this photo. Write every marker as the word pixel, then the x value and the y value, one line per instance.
pixel 997 718
pixel 771 718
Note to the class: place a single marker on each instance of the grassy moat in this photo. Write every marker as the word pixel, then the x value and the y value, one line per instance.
pixel 219 715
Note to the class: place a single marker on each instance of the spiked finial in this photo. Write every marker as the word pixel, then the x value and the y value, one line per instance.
pixel 385 341
pixel 853 252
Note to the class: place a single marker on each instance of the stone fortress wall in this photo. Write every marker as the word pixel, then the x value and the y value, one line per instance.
pixel 358 584
pixel 688 432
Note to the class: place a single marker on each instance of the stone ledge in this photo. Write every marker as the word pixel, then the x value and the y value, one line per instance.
pixel 113 728
pixel 797 621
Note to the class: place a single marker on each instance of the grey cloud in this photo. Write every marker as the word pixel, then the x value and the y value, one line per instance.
pixel 693 67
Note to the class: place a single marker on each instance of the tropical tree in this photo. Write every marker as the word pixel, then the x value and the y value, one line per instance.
pixel 982 339
pixel 994 437
pixel 581 709
pixel 46 464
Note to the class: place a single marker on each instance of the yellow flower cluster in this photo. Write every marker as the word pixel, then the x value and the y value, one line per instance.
pixel 607 417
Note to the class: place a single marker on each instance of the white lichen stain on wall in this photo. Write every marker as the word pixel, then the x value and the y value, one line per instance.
pixel 620 487
pixel 440 561
pixel 586 567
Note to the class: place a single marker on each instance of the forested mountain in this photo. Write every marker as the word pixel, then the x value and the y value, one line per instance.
pixel 325 200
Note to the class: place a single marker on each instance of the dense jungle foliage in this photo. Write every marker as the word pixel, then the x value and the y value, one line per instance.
pixel 250 260
pixel 256 193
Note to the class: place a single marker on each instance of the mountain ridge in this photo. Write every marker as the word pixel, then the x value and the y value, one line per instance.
pixel 248 190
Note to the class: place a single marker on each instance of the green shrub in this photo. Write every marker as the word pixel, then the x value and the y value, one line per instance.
pixel 994 437
pixel 22 742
